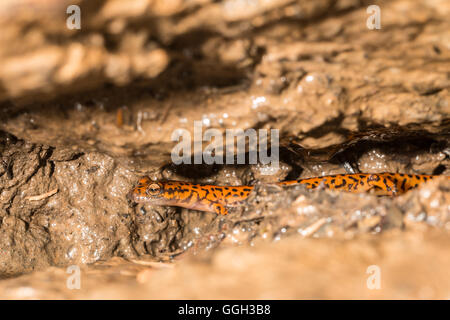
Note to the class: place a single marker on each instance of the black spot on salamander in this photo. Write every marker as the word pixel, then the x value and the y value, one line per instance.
pixel 235 195
pixel 403 184
pixel 234 190
pixel 410 175
pixel 354 179
pixel 350 185
pixel 341 185
pixel 333 181
pixel 361 182
pixel 247 189
pixel 425 178
pixel 417 177
pixel 395 180
pixel 242 194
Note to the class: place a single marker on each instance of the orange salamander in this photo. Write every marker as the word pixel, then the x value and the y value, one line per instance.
pixel 216 199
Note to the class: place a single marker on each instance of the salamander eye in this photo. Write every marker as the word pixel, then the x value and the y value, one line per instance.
pixel 153 189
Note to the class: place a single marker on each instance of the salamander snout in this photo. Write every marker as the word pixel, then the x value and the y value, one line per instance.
pixel 145 191
pixel 139 195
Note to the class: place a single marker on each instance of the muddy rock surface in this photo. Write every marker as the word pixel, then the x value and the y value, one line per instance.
pixel 85 113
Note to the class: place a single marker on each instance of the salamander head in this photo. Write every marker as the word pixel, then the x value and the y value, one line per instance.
pixel 147 191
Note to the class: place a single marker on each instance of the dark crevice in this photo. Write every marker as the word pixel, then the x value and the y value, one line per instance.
pixel 439 169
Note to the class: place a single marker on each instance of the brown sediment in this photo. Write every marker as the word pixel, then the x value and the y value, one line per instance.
pixel 85 113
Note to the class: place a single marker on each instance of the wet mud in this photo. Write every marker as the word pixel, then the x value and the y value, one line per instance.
pixel 84 114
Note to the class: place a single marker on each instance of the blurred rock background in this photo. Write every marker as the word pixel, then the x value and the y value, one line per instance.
pixel 84 113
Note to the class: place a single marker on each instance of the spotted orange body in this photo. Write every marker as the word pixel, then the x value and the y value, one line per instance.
pixel 218 198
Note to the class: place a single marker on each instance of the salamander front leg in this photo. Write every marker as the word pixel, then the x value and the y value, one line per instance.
pixel 220 209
